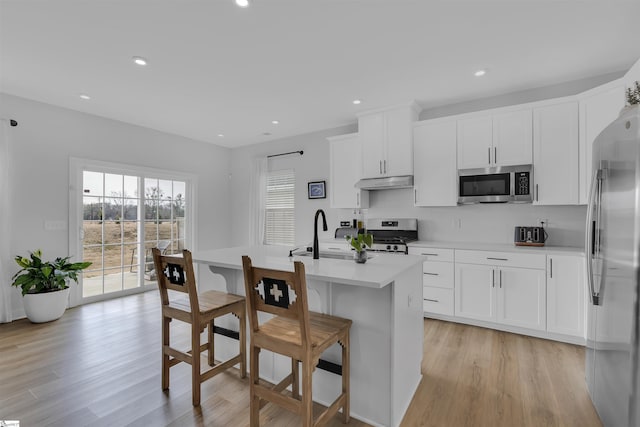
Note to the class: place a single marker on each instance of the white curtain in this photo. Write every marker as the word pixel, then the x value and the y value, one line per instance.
pixel 5 257
pixel 257 197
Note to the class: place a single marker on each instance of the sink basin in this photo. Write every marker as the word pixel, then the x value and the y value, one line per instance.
pixel 331 255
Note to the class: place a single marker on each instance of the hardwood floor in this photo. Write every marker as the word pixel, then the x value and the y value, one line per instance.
pixel 100 366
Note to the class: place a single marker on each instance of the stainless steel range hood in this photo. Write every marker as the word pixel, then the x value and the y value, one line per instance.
pixel 385 183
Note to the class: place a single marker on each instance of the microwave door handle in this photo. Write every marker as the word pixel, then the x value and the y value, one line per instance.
pixel 589 247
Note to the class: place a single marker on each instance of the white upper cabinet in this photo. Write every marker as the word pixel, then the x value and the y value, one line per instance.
pixel 598 108
pixel 387 141
pixel 434 163
pixel 555 158
pixel 512 138
pixel 345 171
pixel 500 139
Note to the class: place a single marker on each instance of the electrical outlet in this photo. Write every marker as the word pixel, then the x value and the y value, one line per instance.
pixel 345 223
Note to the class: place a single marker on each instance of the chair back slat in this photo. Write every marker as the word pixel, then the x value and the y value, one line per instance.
pixel 277 292
pixel 175 273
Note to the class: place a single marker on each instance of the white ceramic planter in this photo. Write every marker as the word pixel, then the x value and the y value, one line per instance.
pixel 46 307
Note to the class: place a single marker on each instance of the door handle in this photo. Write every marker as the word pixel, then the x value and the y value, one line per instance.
pixel 384 162
pixel 589 244
pixel 550 268
pixel 537 192
pixel 495 155
pixel 500 277
pixel 493 278
pixel 380 162
pixel 489 154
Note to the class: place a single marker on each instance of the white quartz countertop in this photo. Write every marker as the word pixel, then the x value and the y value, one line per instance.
pixel 499 247
pixel 377 272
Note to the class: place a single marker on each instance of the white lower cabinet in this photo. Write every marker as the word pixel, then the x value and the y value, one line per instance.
pixel 437 280
pixel 565 295
pixel 502 294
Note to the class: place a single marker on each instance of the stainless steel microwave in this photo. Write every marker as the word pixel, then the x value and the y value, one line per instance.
pixel 501 184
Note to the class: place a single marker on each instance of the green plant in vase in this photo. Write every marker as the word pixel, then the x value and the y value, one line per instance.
pixel 360 243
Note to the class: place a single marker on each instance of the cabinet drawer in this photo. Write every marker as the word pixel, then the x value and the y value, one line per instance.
pixel 505 259
pixel 437 300
pixel 433 254
pixel 439 274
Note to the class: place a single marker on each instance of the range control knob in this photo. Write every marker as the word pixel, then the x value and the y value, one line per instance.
pixel 395 247
pixel 388 247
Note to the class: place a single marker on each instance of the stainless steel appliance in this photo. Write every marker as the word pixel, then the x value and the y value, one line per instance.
pixel 612 246
pixel 392 234
pixel 501 184
pixel 529 236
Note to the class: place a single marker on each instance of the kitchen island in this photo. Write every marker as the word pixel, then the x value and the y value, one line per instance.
pixel 383 298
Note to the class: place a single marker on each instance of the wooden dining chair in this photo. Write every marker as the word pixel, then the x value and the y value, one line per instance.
pixel 294 332
pixel 175 273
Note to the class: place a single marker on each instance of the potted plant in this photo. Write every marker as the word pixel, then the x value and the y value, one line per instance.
pixel 632 98
pixel 360 244
pixel 45 285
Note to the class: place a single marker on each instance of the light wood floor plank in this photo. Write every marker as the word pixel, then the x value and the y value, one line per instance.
pixel 99 365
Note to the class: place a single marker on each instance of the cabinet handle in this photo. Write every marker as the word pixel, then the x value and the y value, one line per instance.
pixel 428 254
pixel 384 162
pixel 537 192
pixel 489 154
pixel 415 196
pixel 550 268
pixel 500 277
pixel 432 274
pixel 334 249
pixel 495 154
pixel 498 259
pixel 380 167
pixel 432 300
pixel 493 278
pixel 358 199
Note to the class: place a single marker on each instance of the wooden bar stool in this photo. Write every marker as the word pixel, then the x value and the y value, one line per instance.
pixel 294 332
pixel 200 310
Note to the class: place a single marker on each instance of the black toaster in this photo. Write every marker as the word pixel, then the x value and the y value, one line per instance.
pixel 530 236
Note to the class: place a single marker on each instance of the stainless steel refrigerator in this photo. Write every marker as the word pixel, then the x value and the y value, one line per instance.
pixel 612 247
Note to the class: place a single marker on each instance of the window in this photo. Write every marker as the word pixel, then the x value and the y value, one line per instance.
pixel 279 227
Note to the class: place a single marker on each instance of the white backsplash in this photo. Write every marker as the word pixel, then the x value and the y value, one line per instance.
pixel 492 223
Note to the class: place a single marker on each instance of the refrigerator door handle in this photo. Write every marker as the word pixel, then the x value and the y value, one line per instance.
pixel 591 227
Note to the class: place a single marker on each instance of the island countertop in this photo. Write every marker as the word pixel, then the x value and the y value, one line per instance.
pixel 377 272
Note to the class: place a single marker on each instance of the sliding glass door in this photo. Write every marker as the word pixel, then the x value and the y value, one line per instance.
pixel 123 216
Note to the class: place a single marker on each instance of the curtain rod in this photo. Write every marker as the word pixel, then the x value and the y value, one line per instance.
pixel 286 154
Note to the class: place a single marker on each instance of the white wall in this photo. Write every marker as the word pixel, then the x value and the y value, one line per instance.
pixel 47 136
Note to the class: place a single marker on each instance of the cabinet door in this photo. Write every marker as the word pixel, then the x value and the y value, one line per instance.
pixel 475 292
pixel 398 159
pixel 596 113
pixel 345 170
pixel 565 294
pixel 555 158
pixel 434 169
pixel 371 129
pixel 475 140
pixel 512 138
pixel 521 297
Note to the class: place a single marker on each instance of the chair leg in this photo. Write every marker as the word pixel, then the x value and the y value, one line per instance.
pixel 165 357
pixel 242 339
pixel 210 337
pixel 346 371
pixel 254 374
pixel 307 402
pixel 295 373
pixel 195 364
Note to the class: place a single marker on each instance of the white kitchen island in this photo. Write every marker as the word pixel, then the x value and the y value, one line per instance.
pixel 383 298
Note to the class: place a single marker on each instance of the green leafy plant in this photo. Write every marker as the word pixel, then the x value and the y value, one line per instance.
pixel 361 242
pixel 633 95
pixel 37 276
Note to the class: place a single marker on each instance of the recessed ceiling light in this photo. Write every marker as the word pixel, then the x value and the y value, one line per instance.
pixel 356 101
pixel 275 122
pixel 267 133
pixel 242 3
pixel 139 60
pixel 220 135
pixel 84 96
pixel 480 73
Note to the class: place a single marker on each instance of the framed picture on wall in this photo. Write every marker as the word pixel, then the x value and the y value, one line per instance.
pixel 317 190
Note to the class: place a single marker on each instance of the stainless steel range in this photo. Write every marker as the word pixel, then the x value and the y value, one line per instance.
pixel 392 234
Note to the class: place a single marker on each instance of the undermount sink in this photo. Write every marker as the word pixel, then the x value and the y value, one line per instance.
pixel 331 255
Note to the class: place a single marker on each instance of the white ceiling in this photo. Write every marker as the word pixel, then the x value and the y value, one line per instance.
pixel 215 68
